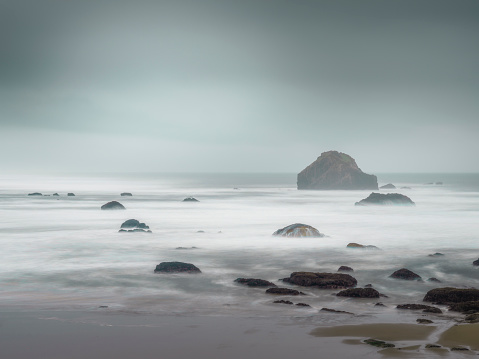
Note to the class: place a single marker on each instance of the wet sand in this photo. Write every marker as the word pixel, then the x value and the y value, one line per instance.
pixel 461 335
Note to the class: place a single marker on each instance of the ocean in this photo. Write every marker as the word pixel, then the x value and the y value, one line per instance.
pixel 64 253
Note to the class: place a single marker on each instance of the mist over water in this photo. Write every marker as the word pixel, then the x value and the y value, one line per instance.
pixel 65 253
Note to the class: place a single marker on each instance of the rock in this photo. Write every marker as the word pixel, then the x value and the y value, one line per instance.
pixel 322 280
pixel 126 194
pixel 436 255
pixel 433 279
pixel 283 291
pixel 451 295
pixel 369 285
pixel 298 230
pixel 133 223
pixel 439 183
pixel 387 199
pixel 424 321
pixel 378 343
pixel 423 307
pixel 103 306
pixel 359 293
pixel 186 248
pixel 55 194
pixel 113 205
pixel 335 171
pixel 252 282
pixel 71 194
pixel 475 263
pixel 345 269
pixel 190 199
pixel 379 304
pixel 283 302
pixel 472 318
pixel 357 245
pixel 465 307
pixel 388 186
pixel 334 311
pixel 135 230
pixel 200 231
pixel 459 349
pixel 431 346
pixel 35 194
pixel 302 305
pixel 405 274
pixel 176 267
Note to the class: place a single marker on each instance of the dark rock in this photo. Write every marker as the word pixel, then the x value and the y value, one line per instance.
pixel 405 274
pixel 135 230
pixel 386 199
pixel 113 205
pixel 55 194
pixel 388 186
pixel 335 171
pixel 465 307
pixel 283 302
pixel 298 230
pixel 472 318
pixel 302 305
pixel 103 306
pixel 322 280
pixel 459 349
pixel 475 263
pixel 451 295
pixel 431 346
pixel 176 267
pixel 378 343
pixel 423 307
pixel 253 282
pixel 433 279
pixel 200 231
pixel 436 255
pixel 283 291
pixel 424 321
pixel 379 304
pixel 126 194
pixel 190 199
pixel 357 245
pixel 334 311
pixel 368 286
pixel 35 194
pixel 345 269
pixel 133 223
pixel 71 194
pixel 359 293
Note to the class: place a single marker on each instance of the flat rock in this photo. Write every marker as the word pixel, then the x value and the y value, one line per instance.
pixel 334 170
pixel 176 267
pixel 113 205
pixel 452 295
pixel 35 194
pixel 298 230
pixel 387 199
pixel 359 293
pixel 423 307
pixel 302 305
pixel 126 194
pixel 362 246
pixel 405 274
pixel 71 194
pixel 283 302
pixel 322 280
pixel 334 311
pixel 283 291
pixel 253 282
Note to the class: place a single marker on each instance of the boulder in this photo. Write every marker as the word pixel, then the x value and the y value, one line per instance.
pixel 357 245
pixel 113 205
pixel 475 263
pixel 71 194
pixel 298 230
pixel 452 295
pixel 359 293
pixel 35 194
pixel 388 199
pixel 405 274
pixel 345 269
pixel 176 267
pixel 133 223
pixel 388 186
pixel 190 199
pixel 322 280
pixel 335 171
pixel 423 307
pixel 253 282
pixel 126 194
pixel 283 291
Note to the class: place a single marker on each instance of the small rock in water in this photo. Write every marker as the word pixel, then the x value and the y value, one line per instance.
pixel 472 318
pixel 436 255
pixel 322 280
pixel 298 230
pixel 113 205
pixel 387 199
pixel 379 343
pixel 432 346
pixel 423 307
pixel 334 311
pixel 302 305
pixel 345 269
pixel 176 267
pixel 368 285
pixel 379 304
pixel 405 274
pixel 126 194
pixel 283 302
pixel 359 293
pixel 55 194
pixel 103 306
pixel 459 349
pixel 433 279
pixel 388 186
pixel 475 263
pixel 35 194
pixel 357 245
pixel 190 199
pixel 424 321
pixel 253 282
pixel 200 231
pixel 71 194
pixel 134 225
pixel 283 291
pixel 439 183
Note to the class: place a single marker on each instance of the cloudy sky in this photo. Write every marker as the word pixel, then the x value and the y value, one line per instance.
pixel 238 86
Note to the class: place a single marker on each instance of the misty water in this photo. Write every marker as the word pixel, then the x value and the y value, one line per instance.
pixel 64 253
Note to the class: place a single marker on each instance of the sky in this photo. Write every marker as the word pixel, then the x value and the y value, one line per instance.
pixel 238 86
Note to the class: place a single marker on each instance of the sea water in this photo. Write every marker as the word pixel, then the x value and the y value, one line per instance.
pixel 65 253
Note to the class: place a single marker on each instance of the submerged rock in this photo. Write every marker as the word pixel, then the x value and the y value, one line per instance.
pixel 378 343
pixel 335 171
pixel 283 302
pixel 335 311
pixel 35 194
pixel 388 186
pixel 298 230
pixel 388 199
pixel 322 280
pixel 359 293
pixel 345 269
pixel 405 274
pixel 113 205
pixel 176 267
pixel 302 305
pixel 452 295
pixel 436 255
pixel 433 279
pixel 135 230
pixel 190 199
pixel 423 307
pixel 357 245
pixel 283 291
pixel 253 282
pixel 126 194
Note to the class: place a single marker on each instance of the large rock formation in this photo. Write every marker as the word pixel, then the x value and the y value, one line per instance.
pixel 335 170
pixel 298 230
pixel 389 199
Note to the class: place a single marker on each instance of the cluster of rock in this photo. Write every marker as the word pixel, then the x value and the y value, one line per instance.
pixel 133 225
pixel 298 230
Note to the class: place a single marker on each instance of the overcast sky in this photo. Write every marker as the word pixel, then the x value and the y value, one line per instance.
pixel 238 86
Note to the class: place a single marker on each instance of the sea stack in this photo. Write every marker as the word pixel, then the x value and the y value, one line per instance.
pixel 335 170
